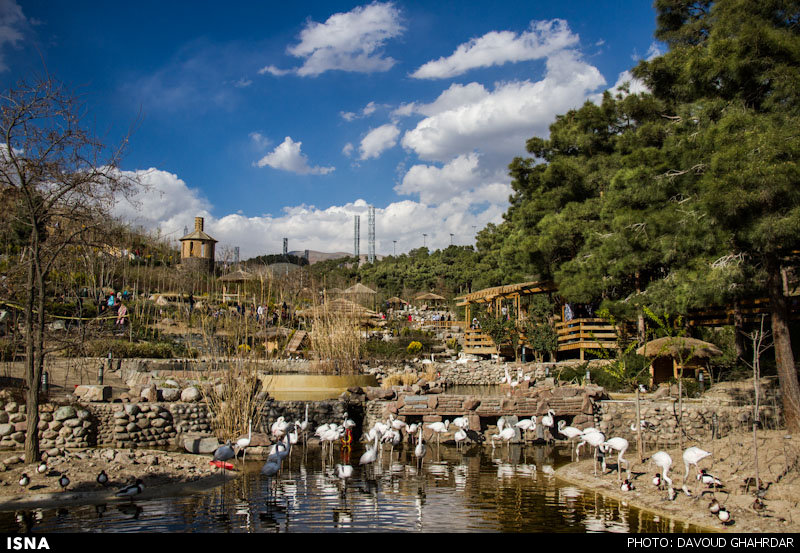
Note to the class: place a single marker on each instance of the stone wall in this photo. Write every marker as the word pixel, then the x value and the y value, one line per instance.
pixel 64 426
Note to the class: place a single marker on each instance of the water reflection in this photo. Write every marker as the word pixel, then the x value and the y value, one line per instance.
pixel 508 489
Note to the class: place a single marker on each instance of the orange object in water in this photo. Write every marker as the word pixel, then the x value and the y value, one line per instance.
pixel 347 439
pixel 222 465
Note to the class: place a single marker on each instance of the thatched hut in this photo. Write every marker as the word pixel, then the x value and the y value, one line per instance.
pixel 675 356
pixel 430 299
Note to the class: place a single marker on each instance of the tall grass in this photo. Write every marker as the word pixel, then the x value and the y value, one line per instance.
pixel 235 400
pixel 336 339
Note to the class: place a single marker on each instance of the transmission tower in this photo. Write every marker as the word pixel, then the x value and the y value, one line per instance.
pixel 371 233
pixel 357 236
pixel 285 247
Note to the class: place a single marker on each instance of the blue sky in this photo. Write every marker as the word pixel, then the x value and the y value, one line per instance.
pixel 284 119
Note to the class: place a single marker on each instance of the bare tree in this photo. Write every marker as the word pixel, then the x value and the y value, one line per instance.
pixel 64 181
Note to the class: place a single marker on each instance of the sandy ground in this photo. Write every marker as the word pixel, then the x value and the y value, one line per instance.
pixel 162 473
pixel 732 461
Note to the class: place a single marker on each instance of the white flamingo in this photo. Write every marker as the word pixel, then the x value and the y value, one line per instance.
pixel 594 439
pixel 663 461
pixel 617 444
pixel 527 425
pixel 439 428
pixel 461 422
pixel 370 455
pixel 570 432
pixel 243 443
pixel 547 421
pixel 692 456
pixel 460 436
pixel 506 435
pixel 421 449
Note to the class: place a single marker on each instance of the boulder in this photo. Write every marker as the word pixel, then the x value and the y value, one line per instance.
pixel 471 404
pixel 149 393
pixel 132 410
pixel 64 413
pixel 93 392
pixel 200 445
pixel 190 395
pixel 170 394
pixel 6 430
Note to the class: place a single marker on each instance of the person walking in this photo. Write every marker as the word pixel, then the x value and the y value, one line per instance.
pixel 122 315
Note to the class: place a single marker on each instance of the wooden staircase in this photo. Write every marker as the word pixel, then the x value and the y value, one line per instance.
pixel 297 340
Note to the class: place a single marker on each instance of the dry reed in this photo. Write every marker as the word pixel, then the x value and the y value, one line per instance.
pixel 236 399
pixel 336 339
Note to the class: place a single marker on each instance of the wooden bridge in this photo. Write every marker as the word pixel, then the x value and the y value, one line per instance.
pixel 575 405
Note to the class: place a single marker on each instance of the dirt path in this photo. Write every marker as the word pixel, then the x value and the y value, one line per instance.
pixel 162 473
pixel 732 461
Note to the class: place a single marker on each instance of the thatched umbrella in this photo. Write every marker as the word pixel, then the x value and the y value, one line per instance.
pixel 396 301
pixel 675 346
pixel 677 356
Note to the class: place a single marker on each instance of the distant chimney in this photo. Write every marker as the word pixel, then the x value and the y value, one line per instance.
pixel 198 223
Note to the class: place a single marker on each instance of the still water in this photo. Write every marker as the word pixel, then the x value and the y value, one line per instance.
pixel 474 490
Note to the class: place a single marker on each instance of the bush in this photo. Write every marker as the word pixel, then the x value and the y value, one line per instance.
pixel 127 350
pixel 414 348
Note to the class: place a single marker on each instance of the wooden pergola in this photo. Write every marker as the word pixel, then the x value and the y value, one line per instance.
pixel 496 295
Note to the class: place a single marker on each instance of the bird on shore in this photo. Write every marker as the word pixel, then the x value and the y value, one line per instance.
pixel 132 490
pixel 709 480
pixel 692 456
pixel 626 486
pixel 663 461
pixel 620 445
pixel 724 516
pixel 243 443
pixel 594 438
pixel 42 468
pixel 63 482
pixel 714 506
pixel 24 480
pixel 102 478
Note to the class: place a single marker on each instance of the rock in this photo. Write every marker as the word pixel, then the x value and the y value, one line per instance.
pixel 200 445
pixel 190 395
pixel 170 394
pixel 16 459
pixel 11 407
pixel 149 393
pixel 471 404
pixel 662 392
pixel 18 437
pixel 6 429
pixel 3 417
pixel 93 392
pixel 132 409
pixel 64 413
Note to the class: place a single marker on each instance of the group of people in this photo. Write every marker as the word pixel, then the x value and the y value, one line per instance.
pixel 114 303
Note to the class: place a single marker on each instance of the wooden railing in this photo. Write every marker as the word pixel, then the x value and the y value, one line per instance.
pixel 586 333
pixel 477 343
pixel 750 311
pixel 443 324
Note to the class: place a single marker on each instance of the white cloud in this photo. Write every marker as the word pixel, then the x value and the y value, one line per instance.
pixel 500 47
pixel 348 149
pixel 272 70
pixel 242 83
pixel 287 157
pixel 378 140
pixel 467 118
pixel 462 177
pixel 12 23
pixel 169 205
pixel 368 110
pixel 350 41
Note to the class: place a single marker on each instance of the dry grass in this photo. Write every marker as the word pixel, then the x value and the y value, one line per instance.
pixel 336 339
pixel 400 379
pixel 235 400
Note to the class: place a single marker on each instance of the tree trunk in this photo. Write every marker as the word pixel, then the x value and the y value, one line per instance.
pixel 31 394
pixel 784 357
pixel 738 327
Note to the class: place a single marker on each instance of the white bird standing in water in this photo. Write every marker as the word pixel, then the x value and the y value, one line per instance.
pixel 439 428
pixel 595 438
pixel 570 432
pixel 547 421
pixel 526 425
pixel 421 449
pixel 371 454
pixel 460 436
pixel 243 443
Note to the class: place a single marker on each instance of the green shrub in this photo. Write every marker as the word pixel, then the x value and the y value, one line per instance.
pixel 414 347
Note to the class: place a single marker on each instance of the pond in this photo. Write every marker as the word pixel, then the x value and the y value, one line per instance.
pixel 473 490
